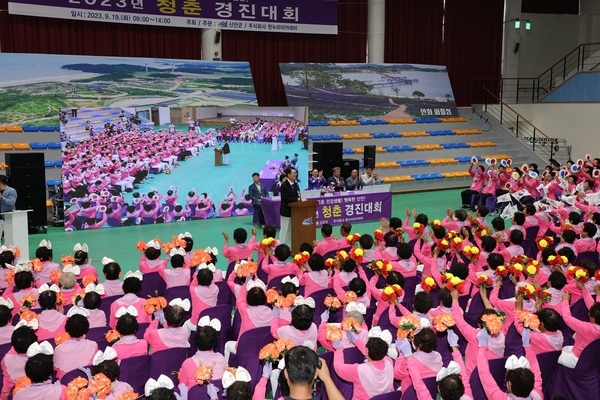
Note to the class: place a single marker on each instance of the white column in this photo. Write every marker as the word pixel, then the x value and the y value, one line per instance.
pixel 376 31
pixel 211 44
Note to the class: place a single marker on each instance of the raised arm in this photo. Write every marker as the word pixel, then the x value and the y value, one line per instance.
pixel 492 391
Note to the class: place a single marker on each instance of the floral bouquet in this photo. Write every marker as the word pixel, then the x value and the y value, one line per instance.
pixel 399 231
pixel 349 297
pixel 203 374
pixel 456 243
pixel 527 291
pixel 128 395
pixel 545 242
pixel 154 304
pixel 453 282
pixel 112 336
pixel 407 327
pixel 266 243
pixel 436 223
pixel 351 325
pixel 89 278
pixel 428 283
pixel 532 268
pixel 28 301
pixel 200 256
pixel 330 262
pixel 493 323
pixel 558 261
pixel 471 252
pixel 61 338
pixel 567 226
pixel 442 322
pixel 272 295
pixel 301 258
pixel 100 385
pixel 418 228
pixel 543 295
pixel 481 232
pixel 245 268
pixel 501 270
pixel 597 275
pixel 383 267
pixel 356 254
pixel 484 281
pixel 10 277
pixel 378 235
pixel 332 303
pixel 351 239
pixel 580 274
pixel 327 189
pixel 21 383
pixel 55 276
pixel 67 260
pixel 27 315
pixel 342 255
pixel 285 302
pixel 36 264
pixel 391 293
pixel 175 242
pixel 529 320
pixel 141 246
pixel 77 389
pixel 443 245
pixel 516 269
pixel 275 351
pixel 333 333
pixel 450 234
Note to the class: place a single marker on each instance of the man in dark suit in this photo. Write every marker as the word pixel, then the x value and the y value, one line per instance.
pixel 226 152
pixel 336 180
pixel 8 199
pixel 290 193
pixel 256 192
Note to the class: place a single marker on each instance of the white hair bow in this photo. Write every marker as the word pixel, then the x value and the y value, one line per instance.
pixel 212 250
pixel 184 235
pixel 163 381
pixel 4 248
pixel 185 303
pixel 241 375
pixel 356 307
pixel 257 283
pixel 293 280
pixel 452 369
pixel 154 244
pixel 424 322
pixel 301 301
pixel 108 354
pixel 72 268
pixel 129 310
pixel 177 251
pixel 207 321
pixel 376 332
pixel 19 267
pixel 33 324
pixel 40 348
pixel 92 287
pixel 7 303
pixel 45 288
pixel 107 260
pixel 513 362
pixel 209 266
pixel 136 274
pixel 81 247
pixel 46 243
pixel 78 311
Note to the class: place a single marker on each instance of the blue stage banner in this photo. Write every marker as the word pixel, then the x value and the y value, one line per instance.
pixel 290 16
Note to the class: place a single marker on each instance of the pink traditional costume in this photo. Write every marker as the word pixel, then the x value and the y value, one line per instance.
pixel 166 338
pixel 327 245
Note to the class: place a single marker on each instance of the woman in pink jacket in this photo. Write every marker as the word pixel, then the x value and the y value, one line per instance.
pixel 477 173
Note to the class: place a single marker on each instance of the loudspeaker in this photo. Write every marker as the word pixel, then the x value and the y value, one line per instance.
pixel 27 175
pixel 369 156
pixel 217 37
pixel 348 164
pixel 327 156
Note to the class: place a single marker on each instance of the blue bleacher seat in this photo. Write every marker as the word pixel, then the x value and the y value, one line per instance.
pixel 378 135
pixel 405 163
pixel 435 133
pixel 450 132
pixel 422 162
pixel 419 177
pixel 437 175
pixel 37 145
pixel 336 137
pixel 324 123
pixel 48 164
pixel 313 123
pixel 96 115
pixel 400 148
pixel 53 182
pixel 47 128
pixel 409 148
pixel 463 159
pixel 54 145
pixel 30 128
pixel 315 138
pixel 388 135
pixel 390 148
pixel 58 163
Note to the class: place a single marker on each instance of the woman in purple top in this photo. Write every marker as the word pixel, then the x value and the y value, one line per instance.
pixel 316 180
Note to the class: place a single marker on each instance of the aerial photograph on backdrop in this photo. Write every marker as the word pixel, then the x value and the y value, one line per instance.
pixel 34 88
pixel 369 91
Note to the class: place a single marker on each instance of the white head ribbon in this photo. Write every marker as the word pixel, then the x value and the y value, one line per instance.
pixel 209 266
pixel 46 243
pixel 45 288
pixel 257 283
pixel 301 301
pixel 185 303
pixel 20 267
pixel 7 303
pixel 33 324
pixel 207 321
pixel 513 362
pixel 212 250
pixel 154 244
pixel 107 260
pixel 376 332
pixel 163 381
pixel 81 247
pixel 452 369
pixel 72 268
pixel 40 348
pixel 424 322
pixel 241 375
pixel 92 287
pixel 136 274
pixel 293 280
pixel 4 248
pixel 356 307
pixel 177 251
pixel 108 354
pixel 184 235
pixel 129 310
pixel 78 311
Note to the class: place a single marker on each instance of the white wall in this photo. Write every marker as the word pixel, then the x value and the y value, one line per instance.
pixel 206 112
pixel 576 123
pixel 164 115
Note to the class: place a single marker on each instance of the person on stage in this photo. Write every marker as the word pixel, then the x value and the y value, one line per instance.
pixel 257 191
pixel 8 199
pixel 337 181
pixel 226 152
pixel 290 193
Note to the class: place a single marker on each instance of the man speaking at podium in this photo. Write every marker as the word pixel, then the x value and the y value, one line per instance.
pixel 290 193
pixel 8 198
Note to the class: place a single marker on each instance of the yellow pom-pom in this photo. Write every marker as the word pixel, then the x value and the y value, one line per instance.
pixel 388 290
pixel 455 280
pixel 430 281
pixel 474 250
pixel 359 252
pixel 531 270
pixel 543 243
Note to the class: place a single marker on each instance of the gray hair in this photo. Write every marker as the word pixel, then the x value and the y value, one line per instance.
pixel 68 280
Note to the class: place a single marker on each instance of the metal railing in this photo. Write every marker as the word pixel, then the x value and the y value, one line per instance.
pixel 585 57
pixel 545 147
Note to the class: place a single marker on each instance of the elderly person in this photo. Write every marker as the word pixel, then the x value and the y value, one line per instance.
pixel 337 181
pixel 354 181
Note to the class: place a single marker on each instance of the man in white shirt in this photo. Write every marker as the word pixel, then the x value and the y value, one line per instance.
pixel 369 178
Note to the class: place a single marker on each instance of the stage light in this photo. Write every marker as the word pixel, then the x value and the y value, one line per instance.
pixel 517 23
pixel 527 25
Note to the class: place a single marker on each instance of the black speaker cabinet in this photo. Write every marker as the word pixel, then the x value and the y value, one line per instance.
pixel 327 156
pixel 348 164
pixel 27 175
pixel 369 156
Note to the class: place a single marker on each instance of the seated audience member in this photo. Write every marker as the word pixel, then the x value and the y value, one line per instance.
pixel 302 330
pixel 369 178
pixel 39 368
pixel 150 260
pixel 206 340
pixel 345 230
pixel 313 275
pixel 203 292
pixel 6 329
pixel 44 254
pixel 354 181
pixel 171 333
pixel 128 344
pixel 428 360
pixel 328 244
pixel 178 276
pixel 131 287
pixel 91 302
pixel 279 266
pixel 52 320
pixel 76 328
pixel 585 332
pixel 112 272
pixel 81 259
pixel 241 250
pixel 13 363
pixel 104 362
pixel 68 285
pixel 336 181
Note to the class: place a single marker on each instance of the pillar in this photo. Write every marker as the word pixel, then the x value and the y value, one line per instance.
pixel 376 31
pixel 211 44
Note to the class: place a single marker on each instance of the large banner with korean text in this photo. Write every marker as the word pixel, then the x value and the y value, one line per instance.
pixel 290 16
